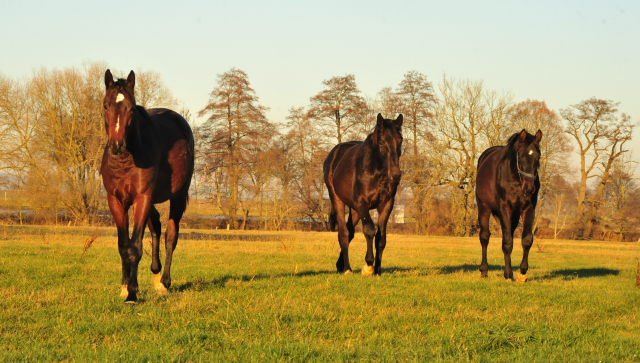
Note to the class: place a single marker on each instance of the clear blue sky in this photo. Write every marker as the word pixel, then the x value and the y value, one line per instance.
pixel 561 52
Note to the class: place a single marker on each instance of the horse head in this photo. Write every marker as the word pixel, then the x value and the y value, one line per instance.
pixel 119 105
pixel 387 138
pixel 527 149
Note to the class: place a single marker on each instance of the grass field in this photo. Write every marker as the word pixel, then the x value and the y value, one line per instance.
pixel 258 296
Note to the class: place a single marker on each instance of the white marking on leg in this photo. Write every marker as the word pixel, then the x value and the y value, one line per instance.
pixel 522 278
pixel 367 270
pixel 120 97
pixel 158 285
pixel 118 124
pixel 124 292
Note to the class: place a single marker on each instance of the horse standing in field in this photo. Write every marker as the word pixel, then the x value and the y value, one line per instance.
pixel 148 159
pixel 507 186
pixel 364 176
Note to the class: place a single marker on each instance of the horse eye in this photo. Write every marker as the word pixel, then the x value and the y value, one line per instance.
pixel 105 106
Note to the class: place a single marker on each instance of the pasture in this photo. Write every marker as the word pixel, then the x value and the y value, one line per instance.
pixel 275 296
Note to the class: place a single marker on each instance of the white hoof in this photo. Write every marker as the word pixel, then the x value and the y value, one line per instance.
pixel 522 278
pixel 158 285
pixel 367 270
pixel 348 272
pixel 124 292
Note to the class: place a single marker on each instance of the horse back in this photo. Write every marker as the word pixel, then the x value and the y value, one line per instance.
pixel 339 169
pixel 486 177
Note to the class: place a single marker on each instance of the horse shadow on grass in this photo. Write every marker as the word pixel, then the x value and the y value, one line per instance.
pixel 584 272
pixel 199 284
pixel 564 273
pixel 439 270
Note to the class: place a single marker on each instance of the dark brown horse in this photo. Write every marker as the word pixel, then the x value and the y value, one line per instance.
pixel 507 186
pixel 364 176
pixel 148 159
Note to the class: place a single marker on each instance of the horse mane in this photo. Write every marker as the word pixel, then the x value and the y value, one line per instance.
pixel 511 143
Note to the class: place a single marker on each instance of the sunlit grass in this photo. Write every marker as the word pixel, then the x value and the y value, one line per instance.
pixel 274 296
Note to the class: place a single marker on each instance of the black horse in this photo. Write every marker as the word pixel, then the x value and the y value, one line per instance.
pixel 148 159
pixel 364 176
pixel 507 186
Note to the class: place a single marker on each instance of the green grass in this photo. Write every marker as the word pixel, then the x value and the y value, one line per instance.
pixel 259 296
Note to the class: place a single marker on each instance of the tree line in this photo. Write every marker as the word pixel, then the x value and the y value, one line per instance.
pixel 249 167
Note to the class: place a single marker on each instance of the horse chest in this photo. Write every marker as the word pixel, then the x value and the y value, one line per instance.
pixel 376 193
pixel 124 180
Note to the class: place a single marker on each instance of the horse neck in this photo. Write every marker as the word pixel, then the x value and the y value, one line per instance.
pixel 142 140
pixel 510 163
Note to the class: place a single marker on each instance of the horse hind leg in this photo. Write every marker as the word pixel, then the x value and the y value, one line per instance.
pixel 484 215
pixel 176 209
pixel 352 222
pixel 342 265
pixel 156 266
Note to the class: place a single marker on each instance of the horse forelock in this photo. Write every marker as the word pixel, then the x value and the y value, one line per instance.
pixel 514 140
pixel 120 91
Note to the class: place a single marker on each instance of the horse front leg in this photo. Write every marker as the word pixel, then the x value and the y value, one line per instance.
pixel 484 214
pixel 381 235
pixel 141 205
pixel 508 222
pixel 369 230
pixel 121 219
pixel 528 216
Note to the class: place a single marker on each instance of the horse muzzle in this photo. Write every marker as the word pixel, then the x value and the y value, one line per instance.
pixel 528 189
pixel 117 147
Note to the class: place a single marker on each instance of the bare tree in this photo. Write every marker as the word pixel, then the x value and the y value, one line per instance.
pixel 307 153
pixel 460 120
pixel 234 119
pixel 590 123
pixel 339 107
pixel 497 127
pixel 63 153
pixel 417 101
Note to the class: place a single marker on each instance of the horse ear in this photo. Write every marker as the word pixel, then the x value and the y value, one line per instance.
pixel 538 137
pixel 108 78
pixel 523 135
pixel 131 80
pixel 376 131
pixel 398 122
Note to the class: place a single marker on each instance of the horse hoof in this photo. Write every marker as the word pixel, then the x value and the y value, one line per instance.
pixel 123 291
pixel 158 285
pixel 367 270
pixel 131 299
pixel 522 278
pixel 348 272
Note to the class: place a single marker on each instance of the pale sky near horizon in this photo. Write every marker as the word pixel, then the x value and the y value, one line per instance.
pixel 561 52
